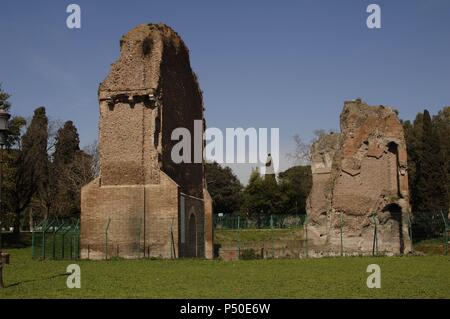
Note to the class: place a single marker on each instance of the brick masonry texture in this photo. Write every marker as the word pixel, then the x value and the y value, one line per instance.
pixel 359 179
pixel 149 91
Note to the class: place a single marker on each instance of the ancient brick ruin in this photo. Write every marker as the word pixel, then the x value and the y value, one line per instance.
pixel 143 204
pixel 360 185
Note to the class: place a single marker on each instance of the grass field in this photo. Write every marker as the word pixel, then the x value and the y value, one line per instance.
pixel 401 277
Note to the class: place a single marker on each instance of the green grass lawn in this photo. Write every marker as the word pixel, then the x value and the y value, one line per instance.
pixel 401 277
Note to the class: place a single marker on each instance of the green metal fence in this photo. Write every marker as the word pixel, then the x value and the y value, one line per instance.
pixel 261 236
pixel 277 236
pixel 434 225
pixel 56 239
pixel 262 221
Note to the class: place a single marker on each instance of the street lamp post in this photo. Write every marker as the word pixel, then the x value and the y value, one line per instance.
pixel 4 118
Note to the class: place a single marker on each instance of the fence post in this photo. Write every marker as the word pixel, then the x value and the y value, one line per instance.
pixel 43 242
pixel 55 232
pixel 63 242
pixel 306 235
pixel 62 245
pixel 139 239
pixel 410 231
pixel 173 250
pixel 106 238
pixel 79 244
pixel 44 230
pixel 375 237
pixel 273 243
pixel 54 243
pixel 78 238
pixel 239 237
pixel 71 248
pixel 446 231
pixel 446 241
pixel 32 244
pixel 341 224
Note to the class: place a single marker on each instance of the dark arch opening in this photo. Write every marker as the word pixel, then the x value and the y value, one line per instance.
pixel 396 214
pixel 393 148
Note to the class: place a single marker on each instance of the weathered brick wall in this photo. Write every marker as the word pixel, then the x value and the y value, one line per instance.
pixel 128 153
pixel 209 227
pixel 150 91
pixel 161 232
pixel 365 183
pixel 124 206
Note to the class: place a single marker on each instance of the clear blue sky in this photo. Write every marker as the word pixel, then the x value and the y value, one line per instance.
pixel 286 64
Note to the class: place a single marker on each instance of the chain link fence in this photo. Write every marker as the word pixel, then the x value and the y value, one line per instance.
pixel 56 239
pixel 260 236
pixel 286 236
pixel 236 237
pixel 428 227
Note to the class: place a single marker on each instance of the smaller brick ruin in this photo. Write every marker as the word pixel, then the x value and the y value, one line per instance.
pixel 360 179
pixel 154 207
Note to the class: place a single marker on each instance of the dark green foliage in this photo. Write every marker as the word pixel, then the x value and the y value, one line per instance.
pixel 262 195
pixel 67 144
pixel 248 254
pixel 31 165
pixel 70 170
pixel 224 188
pixel 295 184
pixel 35 182
pixel 4 98
pixel 66 150
pixel 428 163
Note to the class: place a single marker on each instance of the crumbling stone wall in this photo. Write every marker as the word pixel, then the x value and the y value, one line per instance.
pixel 150 91
pixel 359 180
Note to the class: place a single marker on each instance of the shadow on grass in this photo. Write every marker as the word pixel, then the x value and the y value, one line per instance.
pixel 36 280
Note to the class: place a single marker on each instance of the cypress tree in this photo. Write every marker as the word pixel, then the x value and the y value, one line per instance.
pixel 32 165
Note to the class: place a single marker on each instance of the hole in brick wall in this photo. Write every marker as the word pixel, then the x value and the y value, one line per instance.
pixel 157 131
pixel 147 45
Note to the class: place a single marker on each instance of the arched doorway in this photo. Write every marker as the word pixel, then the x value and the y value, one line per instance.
pixel 192 236
pixel 396 214
pixel 393 167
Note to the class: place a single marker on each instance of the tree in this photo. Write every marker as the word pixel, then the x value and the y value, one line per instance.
pixel 44 200
pixel 262 196
pixel 428 165
pixel 295 185
pixel 301 154
pixel 92 151
pixel 414 146
pixel 72 168
pixel 31 165
pixel 4 98
pixel 441 122
pixel 429 184
pixel 224 188
pixel 67 144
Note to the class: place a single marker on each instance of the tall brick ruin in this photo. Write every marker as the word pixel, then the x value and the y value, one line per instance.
pixel 360 185
pixel 154 207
